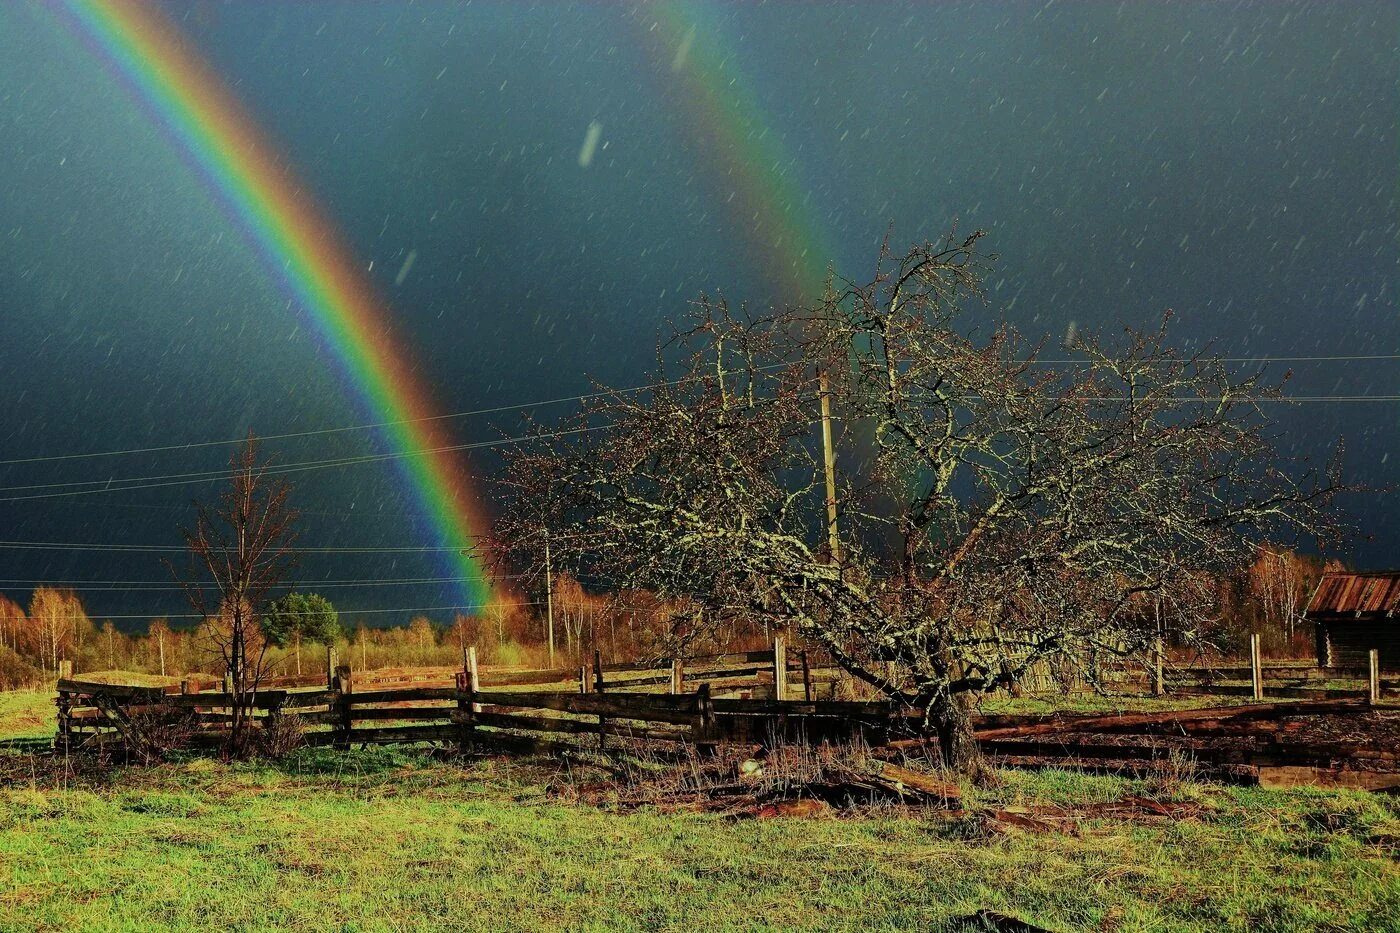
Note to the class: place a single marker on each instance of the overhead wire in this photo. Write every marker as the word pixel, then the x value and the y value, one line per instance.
pixel 541 403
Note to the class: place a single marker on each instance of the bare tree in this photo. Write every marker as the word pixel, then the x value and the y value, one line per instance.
pixel 995 516
pixel 239 551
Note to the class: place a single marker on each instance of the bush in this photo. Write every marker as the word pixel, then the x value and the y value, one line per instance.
pixel 16 673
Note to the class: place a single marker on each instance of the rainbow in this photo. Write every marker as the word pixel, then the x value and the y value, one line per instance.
pixel 244 170
pixel 750 170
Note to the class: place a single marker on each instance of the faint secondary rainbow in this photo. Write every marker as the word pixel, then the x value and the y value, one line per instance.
pixel 742 152
pixel 184 95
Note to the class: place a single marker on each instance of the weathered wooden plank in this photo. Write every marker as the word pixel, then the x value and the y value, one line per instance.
pixel 535 723
pixel 402 694
pixel 118 691
pixel 803 708
pixel 1233 774
pixel 558 724
pixel 301 698
pixel 709 660
pixel 1285 776
pixel 1291 693
pixel 367 713
pixel 404 734
pixel 263 699
pixel 646 707
pixel 1130 721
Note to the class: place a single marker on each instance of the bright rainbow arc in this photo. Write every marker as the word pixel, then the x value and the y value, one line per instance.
pixel 226 146
pixel 734 134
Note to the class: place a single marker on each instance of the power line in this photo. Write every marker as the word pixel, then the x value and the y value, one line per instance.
pixel 159 480
pixel 189 507
pixel 89 584
pixel 157 549
pixel 194 445
pixel 184 479
pixel 167 585
pixel 320 432
pixel 274 468
pixel 102 617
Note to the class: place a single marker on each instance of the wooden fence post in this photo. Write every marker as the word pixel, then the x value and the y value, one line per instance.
pixel 274 713
pixel 474 676
pixel 677 677
pixel 779 668
pixel 704 728
pixel 1375 676
pixel 1159 684
pixel 598 688
pixel 467 707
pixel 65 670
pixel 465 726
pixel 1256 666
pixel 583 678
pixel 806 678
pixel 344 686
pixel 330 667
pixel 65 721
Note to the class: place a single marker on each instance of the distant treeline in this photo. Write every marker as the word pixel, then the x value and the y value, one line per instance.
pixel 1268 596
pixel 56 627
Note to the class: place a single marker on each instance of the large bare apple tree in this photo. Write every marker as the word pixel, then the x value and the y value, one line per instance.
pixel 996 513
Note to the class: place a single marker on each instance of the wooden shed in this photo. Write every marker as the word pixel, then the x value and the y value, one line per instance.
pixel 1355 612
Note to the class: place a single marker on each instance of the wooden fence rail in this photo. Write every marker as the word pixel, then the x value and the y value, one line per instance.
pixel 468 706
pixel 741 697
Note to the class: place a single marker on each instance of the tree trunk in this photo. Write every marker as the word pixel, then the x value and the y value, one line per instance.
pixel 951 720
pixel 237 662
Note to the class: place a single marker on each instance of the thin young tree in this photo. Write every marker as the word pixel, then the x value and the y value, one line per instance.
pixel 159 636
pixel 239 551
pixel 995 516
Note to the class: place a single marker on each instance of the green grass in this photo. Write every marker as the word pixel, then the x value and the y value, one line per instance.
pixel 26 713
pixel 392 839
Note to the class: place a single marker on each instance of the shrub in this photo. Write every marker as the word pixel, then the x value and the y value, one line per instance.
pixel 16 673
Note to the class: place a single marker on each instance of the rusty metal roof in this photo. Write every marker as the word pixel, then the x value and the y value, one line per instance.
pixel 1356 595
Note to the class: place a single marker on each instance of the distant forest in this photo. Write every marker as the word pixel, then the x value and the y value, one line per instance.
pixel 1268 597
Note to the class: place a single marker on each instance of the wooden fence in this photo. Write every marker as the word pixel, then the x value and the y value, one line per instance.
pixel 740 697
pixel 703 701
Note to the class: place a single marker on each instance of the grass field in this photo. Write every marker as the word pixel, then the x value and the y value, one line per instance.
pixel 396 840
pixel 26 713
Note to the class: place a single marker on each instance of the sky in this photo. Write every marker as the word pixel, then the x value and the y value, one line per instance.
pixel 560 200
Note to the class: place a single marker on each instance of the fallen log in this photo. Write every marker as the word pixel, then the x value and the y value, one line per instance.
pixel 931 787
pixel 1127 722
pixel 1135 767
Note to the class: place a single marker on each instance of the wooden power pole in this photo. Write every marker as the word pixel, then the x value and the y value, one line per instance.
pixel 829 462
pixel 549 598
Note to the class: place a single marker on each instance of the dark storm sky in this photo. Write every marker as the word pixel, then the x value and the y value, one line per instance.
pixel 1235 162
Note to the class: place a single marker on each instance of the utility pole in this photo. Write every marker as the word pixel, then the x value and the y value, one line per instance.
pixel 829 461
pixel 549 597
